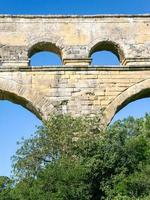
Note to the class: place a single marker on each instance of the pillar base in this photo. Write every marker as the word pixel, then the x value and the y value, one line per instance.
pixel 76 62
pixel 137 62
pixel 14 64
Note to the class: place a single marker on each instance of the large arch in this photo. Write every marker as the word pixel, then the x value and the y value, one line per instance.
pixel 107 45
pixel 135 92
pixel 18 93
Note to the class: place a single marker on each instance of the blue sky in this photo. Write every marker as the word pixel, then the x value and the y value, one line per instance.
pixel 17 122
pixel 73 6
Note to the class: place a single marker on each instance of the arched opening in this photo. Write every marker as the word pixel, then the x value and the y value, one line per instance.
pixel 14 98
pixel 45 58
pixel 138 91
pixel 143 94
pixel 104 58
pixel 18 118
pixel 106 53
pixel 44 54
pixel 15 122
pixel 136 109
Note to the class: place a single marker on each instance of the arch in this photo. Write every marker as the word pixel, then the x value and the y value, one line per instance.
pixel 45 43
pixel 44 46
pixel 107 45
pixel 54 40
pixel 24 96
pixel 105 58
pixel 45 58
pixel 14 98
pixel 135 92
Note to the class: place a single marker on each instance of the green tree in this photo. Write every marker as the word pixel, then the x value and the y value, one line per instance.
pixel 130 147
pixel 52 162
pixel 5 188
pixel 72 159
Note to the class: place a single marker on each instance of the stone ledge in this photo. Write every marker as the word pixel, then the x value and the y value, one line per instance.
pixel 76 16
pixel 77 68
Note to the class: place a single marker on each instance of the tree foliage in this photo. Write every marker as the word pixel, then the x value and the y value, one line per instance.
pixel 5 188
pixel 72 159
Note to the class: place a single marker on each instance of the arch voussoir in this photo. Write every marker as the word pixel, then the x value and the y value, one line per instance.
pixel 137 91
pixel 23 95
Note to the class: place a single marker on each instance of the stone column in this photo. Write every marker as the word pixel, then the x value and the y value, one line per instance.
pixel 76 56
pixel 14 57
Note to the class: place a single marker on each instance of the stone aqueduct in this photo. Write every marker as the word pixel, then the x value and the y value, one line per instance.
pixel 76 87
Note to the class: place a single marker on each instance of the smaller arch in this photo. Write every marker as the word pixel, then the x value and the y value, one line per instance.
pixel 105 58
pixel 44 46
pixel 137 91
pixel 45 58
pixel 107 45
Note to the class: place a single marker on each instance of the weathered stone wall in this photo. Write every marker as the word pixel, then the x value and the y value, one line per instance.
pixel 76 87
pixel 75 37
pixel 78 91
